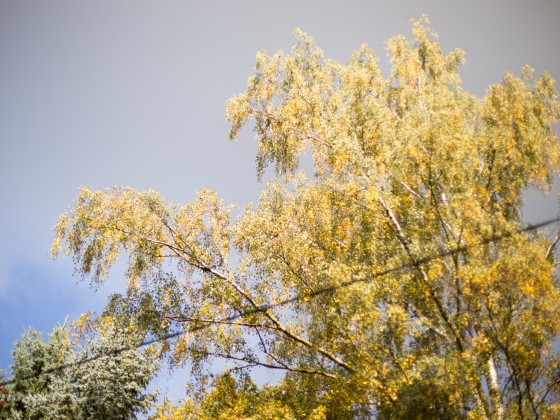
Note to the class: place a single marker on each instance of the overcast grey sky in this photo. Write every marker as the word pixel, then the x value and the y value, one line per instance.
pixel 118 92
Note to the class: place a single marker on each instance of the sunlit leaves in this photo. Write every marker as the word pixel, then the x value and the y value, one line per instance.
pixel 405 168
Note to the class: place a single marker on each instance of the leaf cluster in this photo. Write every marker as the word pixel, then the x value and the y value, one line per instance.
pixel 404 167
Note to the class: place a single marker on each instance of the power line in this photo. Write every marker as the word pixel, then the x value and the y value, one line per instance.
pixel 263 308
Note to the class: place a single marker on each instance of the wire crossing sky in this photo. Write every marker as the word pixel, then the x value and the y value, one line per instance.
pixel 286 302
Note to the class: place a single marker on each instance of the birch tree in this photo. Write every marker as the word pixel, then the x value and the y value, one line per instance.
pixel 393 279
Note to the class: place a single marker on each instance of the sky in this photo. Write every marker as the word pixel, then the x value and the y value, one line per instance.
pixel 117 92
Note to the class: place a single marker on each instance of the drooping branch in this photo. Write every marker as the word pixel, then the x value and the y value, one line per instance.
pixel 253 363
pixel 196 262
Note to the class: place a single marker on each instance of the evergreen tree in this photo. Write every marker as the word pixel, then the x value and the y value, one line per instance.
pixel 49 382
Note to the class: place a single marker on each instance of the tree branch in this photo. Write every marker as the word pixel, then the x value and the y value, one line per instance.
pixel 268 365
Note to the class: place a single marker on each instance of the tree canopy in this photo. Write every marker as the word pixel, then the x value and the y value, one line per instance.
pixel 379 315
pixel 49 380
